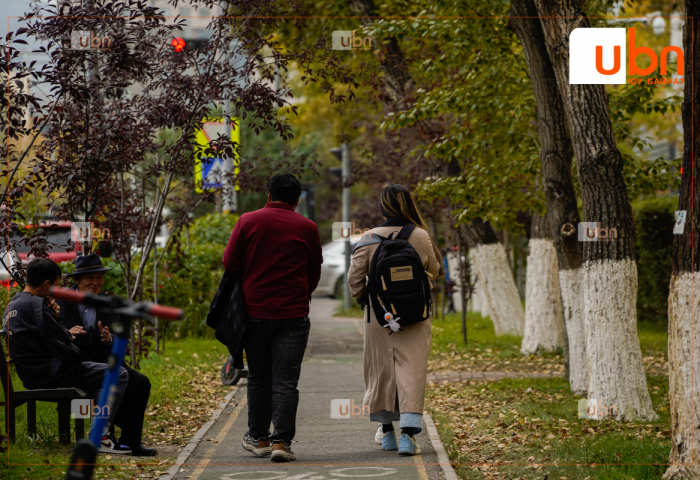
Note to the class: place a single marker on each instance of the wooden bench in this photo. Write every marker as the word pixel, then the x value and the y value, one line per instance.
pixel 61 396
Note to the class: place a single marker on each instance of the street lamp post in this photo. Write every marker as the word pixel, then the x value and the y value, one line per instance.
pixel 345 158
pixel 343 154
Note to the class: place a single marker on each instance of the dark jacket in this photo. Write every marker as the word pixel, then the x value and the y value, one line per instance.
pixel 228 316
pixel 92 346
pixel 38 343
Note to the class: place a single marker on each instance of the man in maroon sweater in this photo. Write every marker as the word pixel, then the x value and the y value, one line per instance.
pixel 279 254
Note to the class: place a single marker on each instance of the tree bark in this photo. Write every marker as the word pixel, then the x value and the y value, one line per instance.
pixel 556 155
pixel 683 303
pixel 543 310
pixel 616 376
pixel 500 290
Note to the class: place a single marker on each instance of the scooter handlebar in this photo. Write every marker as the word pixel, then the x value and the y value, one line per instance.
pixel 70 295
pixel 166 312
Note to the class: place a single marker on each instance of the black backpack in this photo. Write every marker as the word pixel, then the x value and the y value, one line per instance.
pixel 398 287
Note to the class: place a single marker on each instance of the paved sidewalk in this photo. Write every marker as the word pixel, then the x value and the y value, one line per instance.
pixel 326 449
pixel 454 377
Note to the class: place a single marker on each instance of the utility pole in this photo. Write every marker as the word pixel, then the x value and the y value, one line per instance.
pixel 342 153
pixel 230 202
pixel 345 158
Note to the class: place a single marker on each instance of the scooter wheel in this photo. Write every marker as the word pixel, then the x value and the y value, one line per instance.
pixel 229 374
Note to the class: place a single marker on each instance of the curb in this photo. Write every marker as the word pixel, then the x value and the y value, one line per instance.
pixel 443 459
pixel 194 441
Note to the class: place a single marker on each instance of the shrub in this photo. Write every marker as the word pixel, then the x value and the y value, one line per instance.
pixel 654 219
pixel 213 228
pixel 189 281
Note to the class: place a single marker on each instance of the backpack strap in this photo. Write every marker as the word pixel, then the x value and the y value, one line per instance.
pixel 374 238
pixel 406 231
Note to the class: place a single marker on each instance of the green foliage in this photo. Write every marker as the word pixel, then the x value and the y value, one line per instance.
pixel 188 279
pixel 654 219
pixel 213 228
pixel 483 100
pixel 5 298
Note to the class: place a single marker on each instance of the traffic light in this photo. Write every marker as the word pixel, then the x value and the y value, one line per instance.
pixel 178 44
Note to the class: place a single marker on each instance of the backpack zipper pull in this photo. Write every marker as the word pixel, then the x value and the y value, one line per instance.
pixel 383 284
pixel 380 301
pixel 393 309
pixel 425 311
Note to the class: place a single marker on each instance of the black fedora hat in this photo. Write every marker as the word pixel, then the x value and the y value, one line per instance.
pixel 88 264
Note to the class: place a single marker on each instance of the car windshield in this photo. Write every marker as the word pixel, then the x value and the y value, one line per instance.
pixel 57 239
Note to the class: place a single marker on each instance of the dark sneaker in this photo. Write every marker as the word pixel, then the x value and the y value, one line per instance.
pixel 260 447
pixel 143 451
pixel 111 446
pixel 282 453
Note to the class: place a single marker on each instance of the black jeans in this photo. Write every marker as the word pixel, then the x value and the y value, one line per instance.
pixel 274 350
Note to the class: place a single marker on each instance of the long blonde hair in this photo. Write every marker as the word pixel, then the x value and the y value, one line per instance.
pixel 396 201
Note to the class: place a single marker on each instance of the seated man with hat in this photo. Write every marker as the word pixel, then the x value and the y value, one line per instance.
pixel 92 335
pixel 44 351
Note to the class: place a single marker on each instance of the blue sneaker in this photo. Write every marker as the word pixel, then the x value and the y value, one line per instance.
pixel 389 441
pixel 408 446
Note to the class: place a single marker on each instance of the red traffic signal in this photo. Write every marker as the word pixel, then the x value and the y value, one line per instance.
pixel 179 44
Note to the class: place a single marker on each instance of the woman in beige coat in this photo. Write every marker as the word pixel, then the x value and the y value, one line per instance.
pixel 395 366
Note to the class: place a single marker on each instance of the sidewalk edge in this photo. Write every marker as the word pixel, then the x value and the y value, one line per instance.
pixel 194 441
pixel 443 459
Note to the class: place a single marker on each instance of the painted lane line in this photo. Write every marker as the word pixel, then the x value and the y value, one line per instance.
pixel 443 459
pixel 194 441
pixel 219 439
pixel 420 466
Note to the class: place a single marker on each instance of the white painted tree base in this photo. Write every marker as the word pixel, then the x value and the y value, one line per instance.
pixel 615 374
pixel 684 376
pixel 498 286
pixel 571 284
pixel 543 310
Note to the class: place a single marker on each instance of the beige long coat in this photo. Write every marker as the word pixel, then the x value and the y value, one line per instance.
pixel 397 362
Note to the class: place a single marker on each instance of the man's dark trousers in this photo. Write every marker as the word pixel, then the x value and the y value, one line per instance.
pixel 133 389
pixel 274 349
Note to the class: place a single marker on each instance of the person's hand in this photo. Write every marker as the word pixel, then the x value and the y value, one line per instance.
pixel 54 306
pixel 77 330
pixel 104 333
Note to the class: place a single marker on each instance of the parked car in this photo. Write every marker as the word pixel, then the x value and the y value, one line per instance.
pixel 333 269
pixel 57 238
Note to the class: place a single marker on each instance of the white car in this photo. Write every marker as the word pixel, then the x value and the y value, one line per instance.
pixel 333 269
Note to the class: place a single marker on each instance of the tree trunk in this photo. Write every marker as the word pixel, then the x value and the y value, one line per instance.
pixel 495 279
pixel 616 376
pixel 543 310
pixel 556 154
pixel 503 297
pixel 683 304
